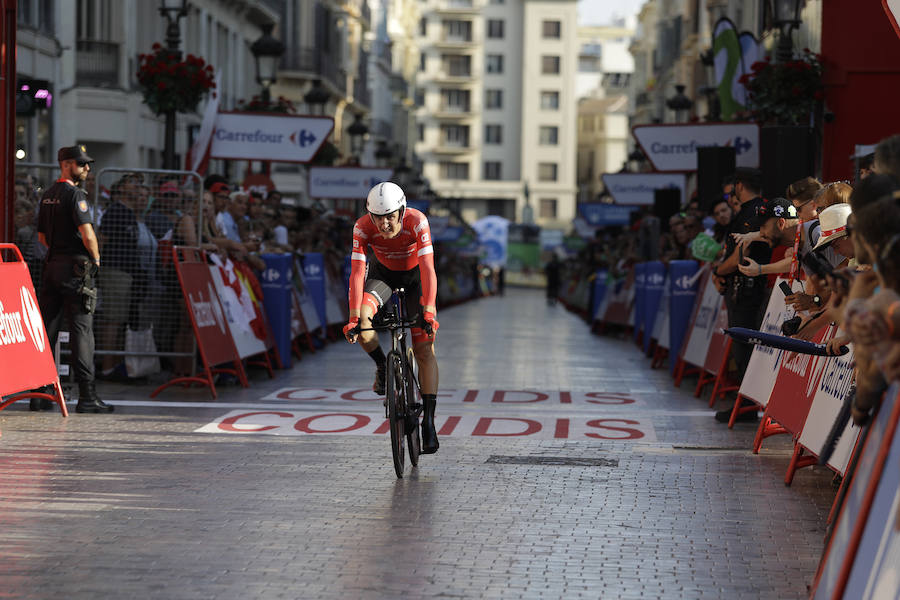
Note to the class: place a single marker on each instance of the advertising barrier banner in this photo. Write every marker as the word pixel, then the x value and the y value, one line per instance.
pixel 681 300
pixel 654 280
pixel 661 322
pixel 599 293
pixel 276 284
pixel 304 299
pixel 345 182
pixel 640 289
pixel 834 385
pixel 244 324
pixel 266 136
pixel 314 281
pixel 763 367
pixel 698 337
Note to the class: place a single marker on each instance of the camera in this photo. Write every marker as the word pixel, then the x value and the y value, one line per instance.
pixel 791 326
pixel 817 265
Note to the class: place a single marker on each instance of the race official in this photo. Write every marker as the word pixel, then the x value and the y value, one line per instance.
pixel 73 260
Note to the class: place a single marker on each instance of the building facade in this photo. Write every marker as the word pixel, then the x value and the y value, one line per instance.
pixel 496 90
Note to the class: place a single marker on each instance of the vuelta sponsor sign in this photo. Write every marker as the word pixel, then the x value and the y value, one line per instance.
pixel 640 188
pixel 673 148
pixel 699 336
pixel 26 361
pixel 282 138
pixel 345 182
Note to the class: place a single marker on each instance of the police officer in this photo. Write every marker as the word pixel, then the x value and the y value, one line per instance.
pixel 745 297
pixel 73 259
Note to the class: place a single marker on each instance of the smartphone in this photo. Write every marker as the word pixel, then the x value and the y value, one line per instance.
pixel 785 288
pixel 740 255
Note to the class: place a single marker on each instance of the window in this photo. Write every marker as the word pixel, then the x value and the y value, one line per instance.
pixel 495 29
pixel 420 132
pixel 492 170
pixel 549 135
pixel 550 100
pixel 454 100
pixel 552 29
pixel 456 136
pixel 546 171
pixel 454 170
pixel 423 26
pixel 493 99
pixel 457 65
pixel 420 97
pixel 422 62
pixel 494 63
pixel 458 31
pixel 493 134
pixel 547 209
pixel 550 65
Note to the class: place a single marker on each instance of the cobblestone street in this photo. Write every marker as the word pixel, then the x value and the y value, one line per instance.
pixel 567 469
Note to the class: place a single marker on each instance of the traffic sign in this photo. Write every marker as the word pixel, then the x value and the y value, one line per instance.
pixel 638 188
pixel 673 148
pixel 282 138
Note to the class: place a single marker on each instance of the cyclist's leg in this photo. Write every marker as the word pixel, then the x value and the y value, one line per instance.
pixel 423 348
pixel 376 293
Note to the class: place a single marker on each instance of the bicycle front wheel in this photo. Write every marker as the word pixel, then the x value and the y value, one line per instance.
pixel 396 410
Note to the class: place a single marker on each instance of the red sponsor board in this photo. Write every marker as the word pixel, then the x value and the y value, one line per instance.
pixel 214 341
pixel 26 359
pixel 796 384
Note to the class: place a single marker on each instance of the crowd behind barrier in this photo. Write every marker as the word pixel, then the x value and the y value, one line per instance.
pixel 819 265
pixel 143 326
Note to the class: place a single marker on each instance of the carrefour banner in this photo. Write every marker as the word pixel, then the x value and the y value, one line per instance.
pixel 344 182
pixel 282 138
pixel 638 188
pixel 603 215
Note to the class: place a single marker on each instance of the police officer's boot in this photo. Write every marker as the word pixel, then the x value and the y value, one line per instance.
pixel 430 443
pixel 89 402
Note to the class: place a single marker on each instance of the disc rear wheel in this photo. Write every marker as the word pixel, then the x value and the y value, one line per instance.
pixel 394 392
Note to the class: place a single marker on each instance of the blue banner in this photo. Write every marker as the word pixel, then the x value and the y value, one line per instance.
pixel 599 292
pixel 276 281
pixel 640 285
pixel 603 215
pixel 654 278
pixel 314 278
pixel 420 205
pixel 683 293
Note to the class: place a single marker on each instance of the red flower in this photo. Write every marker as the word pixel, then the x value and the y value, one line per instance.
pixel 819 95
pixel 744 79
pixel 156 46
pixel 161 85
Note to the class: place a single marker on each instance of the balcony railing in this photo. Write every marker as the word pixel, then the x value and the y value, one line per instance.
pixel 97 63
pixel 312 60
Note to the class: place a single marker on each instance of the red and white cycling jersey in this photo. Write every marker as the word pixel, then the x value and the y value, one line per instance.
pixel 410 248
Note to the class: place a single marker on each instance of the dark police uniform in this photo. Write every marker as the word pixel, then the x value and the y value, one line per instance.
pixel 745 297
pixel 67 286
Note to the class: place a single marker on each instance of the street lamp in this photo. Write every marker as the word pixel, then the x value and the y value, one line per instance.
pixel 635 159
pixel 527 211
pixel 786 17
pixel 382 154
pixel 680 103
pixel 267 52
pixel 173 11
pixel 316 98
pixel 357 132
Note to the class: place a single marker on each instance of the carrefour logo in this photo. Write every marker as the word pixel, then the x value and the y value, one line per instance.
pixel 684 282
pixel 303 138
pixel 741 145
pixel 34 323
pixel 655 279
pixel 312 269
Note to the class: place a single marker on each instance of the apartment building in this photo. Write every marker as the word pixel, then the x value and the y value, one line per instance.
pixel 496 98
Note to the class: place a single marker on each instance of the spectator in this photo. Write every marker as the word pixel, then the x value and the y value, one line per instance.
pixel 234 213
pixel 866 166
pixel 887 156
pixel 722 213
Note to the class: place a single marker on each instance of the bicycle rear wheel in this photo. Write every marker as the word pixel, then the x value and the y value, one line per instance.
pixel 413 439
pixel 394 392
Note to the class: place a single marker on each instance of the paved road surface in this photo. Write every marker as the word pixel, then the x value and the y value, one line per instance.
pixel 567 469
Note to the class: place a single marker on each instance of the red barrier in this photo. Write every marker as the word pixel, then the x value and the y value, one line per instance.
pixel 214 342
pixel 26 358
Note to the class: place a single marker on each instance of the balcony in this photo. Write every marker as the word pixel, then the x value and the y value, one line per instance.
pixel 97 63
pixel 447 76
pixel 313 62
pixel 454 113
pixel 459 7
pixel 452 41
pixel 452 148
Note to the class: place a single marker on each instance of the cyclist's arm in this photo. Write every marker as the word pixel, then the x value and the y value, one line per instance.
pixel 357 272
pixel 425 254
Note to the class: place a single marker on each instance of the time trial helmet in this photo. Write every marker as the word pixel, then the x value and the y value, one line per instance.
pixel 385 198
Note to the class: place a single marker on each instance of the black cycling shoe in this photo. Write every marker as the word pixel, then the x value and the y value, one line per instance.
pixel 378 387
pixel 430 443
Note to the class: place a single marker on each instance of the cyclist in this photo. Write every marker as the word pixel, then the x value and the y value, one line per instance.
pixel 400 239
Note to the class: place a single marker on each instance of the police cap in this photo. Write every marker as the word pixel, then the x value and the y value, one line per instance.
pixel 78 153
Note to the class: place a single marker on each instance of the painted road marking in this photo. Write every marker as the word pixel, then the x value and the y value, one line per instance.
pixel 522 397
pixel 289 423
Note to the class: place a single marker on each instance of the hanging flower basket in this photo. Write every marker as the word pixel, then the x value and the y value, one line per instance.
pixel 784 93
pixel 169 84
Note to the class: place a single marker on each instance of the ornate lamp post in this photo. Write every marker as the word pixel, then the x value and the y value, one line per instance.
pixel 357 132
pixel 173 11
pixel 635 160
pixel 382 154
pixel 680 103
pixel 316 98
pixel 267 52
pixel 786 17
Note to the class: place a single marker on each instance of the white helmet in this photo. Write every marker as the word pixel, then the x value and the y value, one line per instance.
pixel 386 198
